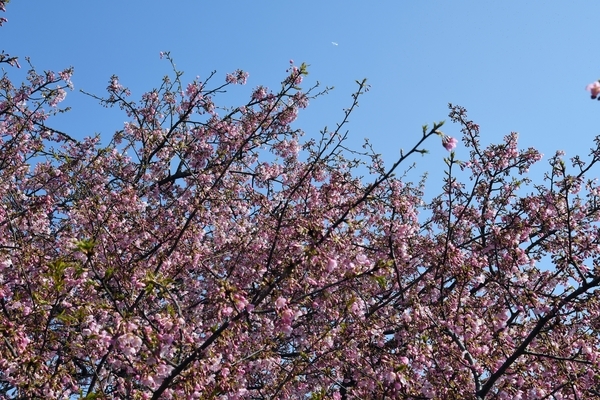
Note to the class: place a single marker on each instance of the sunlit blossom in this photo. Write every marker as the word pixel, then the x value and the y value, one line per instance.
pixel 594 89
pixel 449 143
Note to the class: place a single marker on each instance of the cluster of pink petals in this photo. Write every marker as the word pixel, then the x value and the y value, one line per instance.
pixel 449 143
pixel 594 89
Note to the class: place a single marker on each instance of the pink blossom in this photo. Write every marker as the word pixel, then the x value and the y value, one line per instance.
pixel 449 143
pixel 227 311
pixel 362 259
pixel 66 74
pixel 280 303
pixel 331 265
pixel 594 89
pixel 238 77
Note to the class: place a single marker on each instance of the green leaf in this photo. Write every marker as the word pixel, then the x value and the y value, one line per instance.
pixel 86 246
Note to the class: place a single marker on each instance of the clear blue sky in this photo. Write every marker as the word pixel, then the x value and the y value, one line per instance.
pixel 515 65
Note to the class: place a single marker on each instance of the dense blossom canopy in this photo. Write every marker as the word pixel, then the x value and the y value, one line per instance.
pixel 205 252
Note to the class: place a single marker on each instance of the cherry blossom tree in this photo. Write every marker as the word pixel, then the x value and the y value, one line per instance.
pixel 212 252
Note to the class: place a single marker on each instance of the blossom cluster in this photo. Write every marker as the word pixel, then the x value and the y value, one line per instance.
pixel 212 252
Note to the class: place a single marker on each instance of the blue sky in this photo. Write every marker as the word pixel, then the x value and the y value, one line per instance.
pixel 516 65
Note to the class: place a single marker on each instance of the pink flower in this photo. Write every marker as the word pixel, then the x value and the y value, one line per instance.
pixel 331 264
pixel 594 89
pixel 238 77
pixel 449 143
pixel 280 303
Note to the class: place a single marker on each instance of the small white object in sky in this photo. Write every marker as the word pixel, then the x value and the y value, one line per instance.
pixel 334 43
